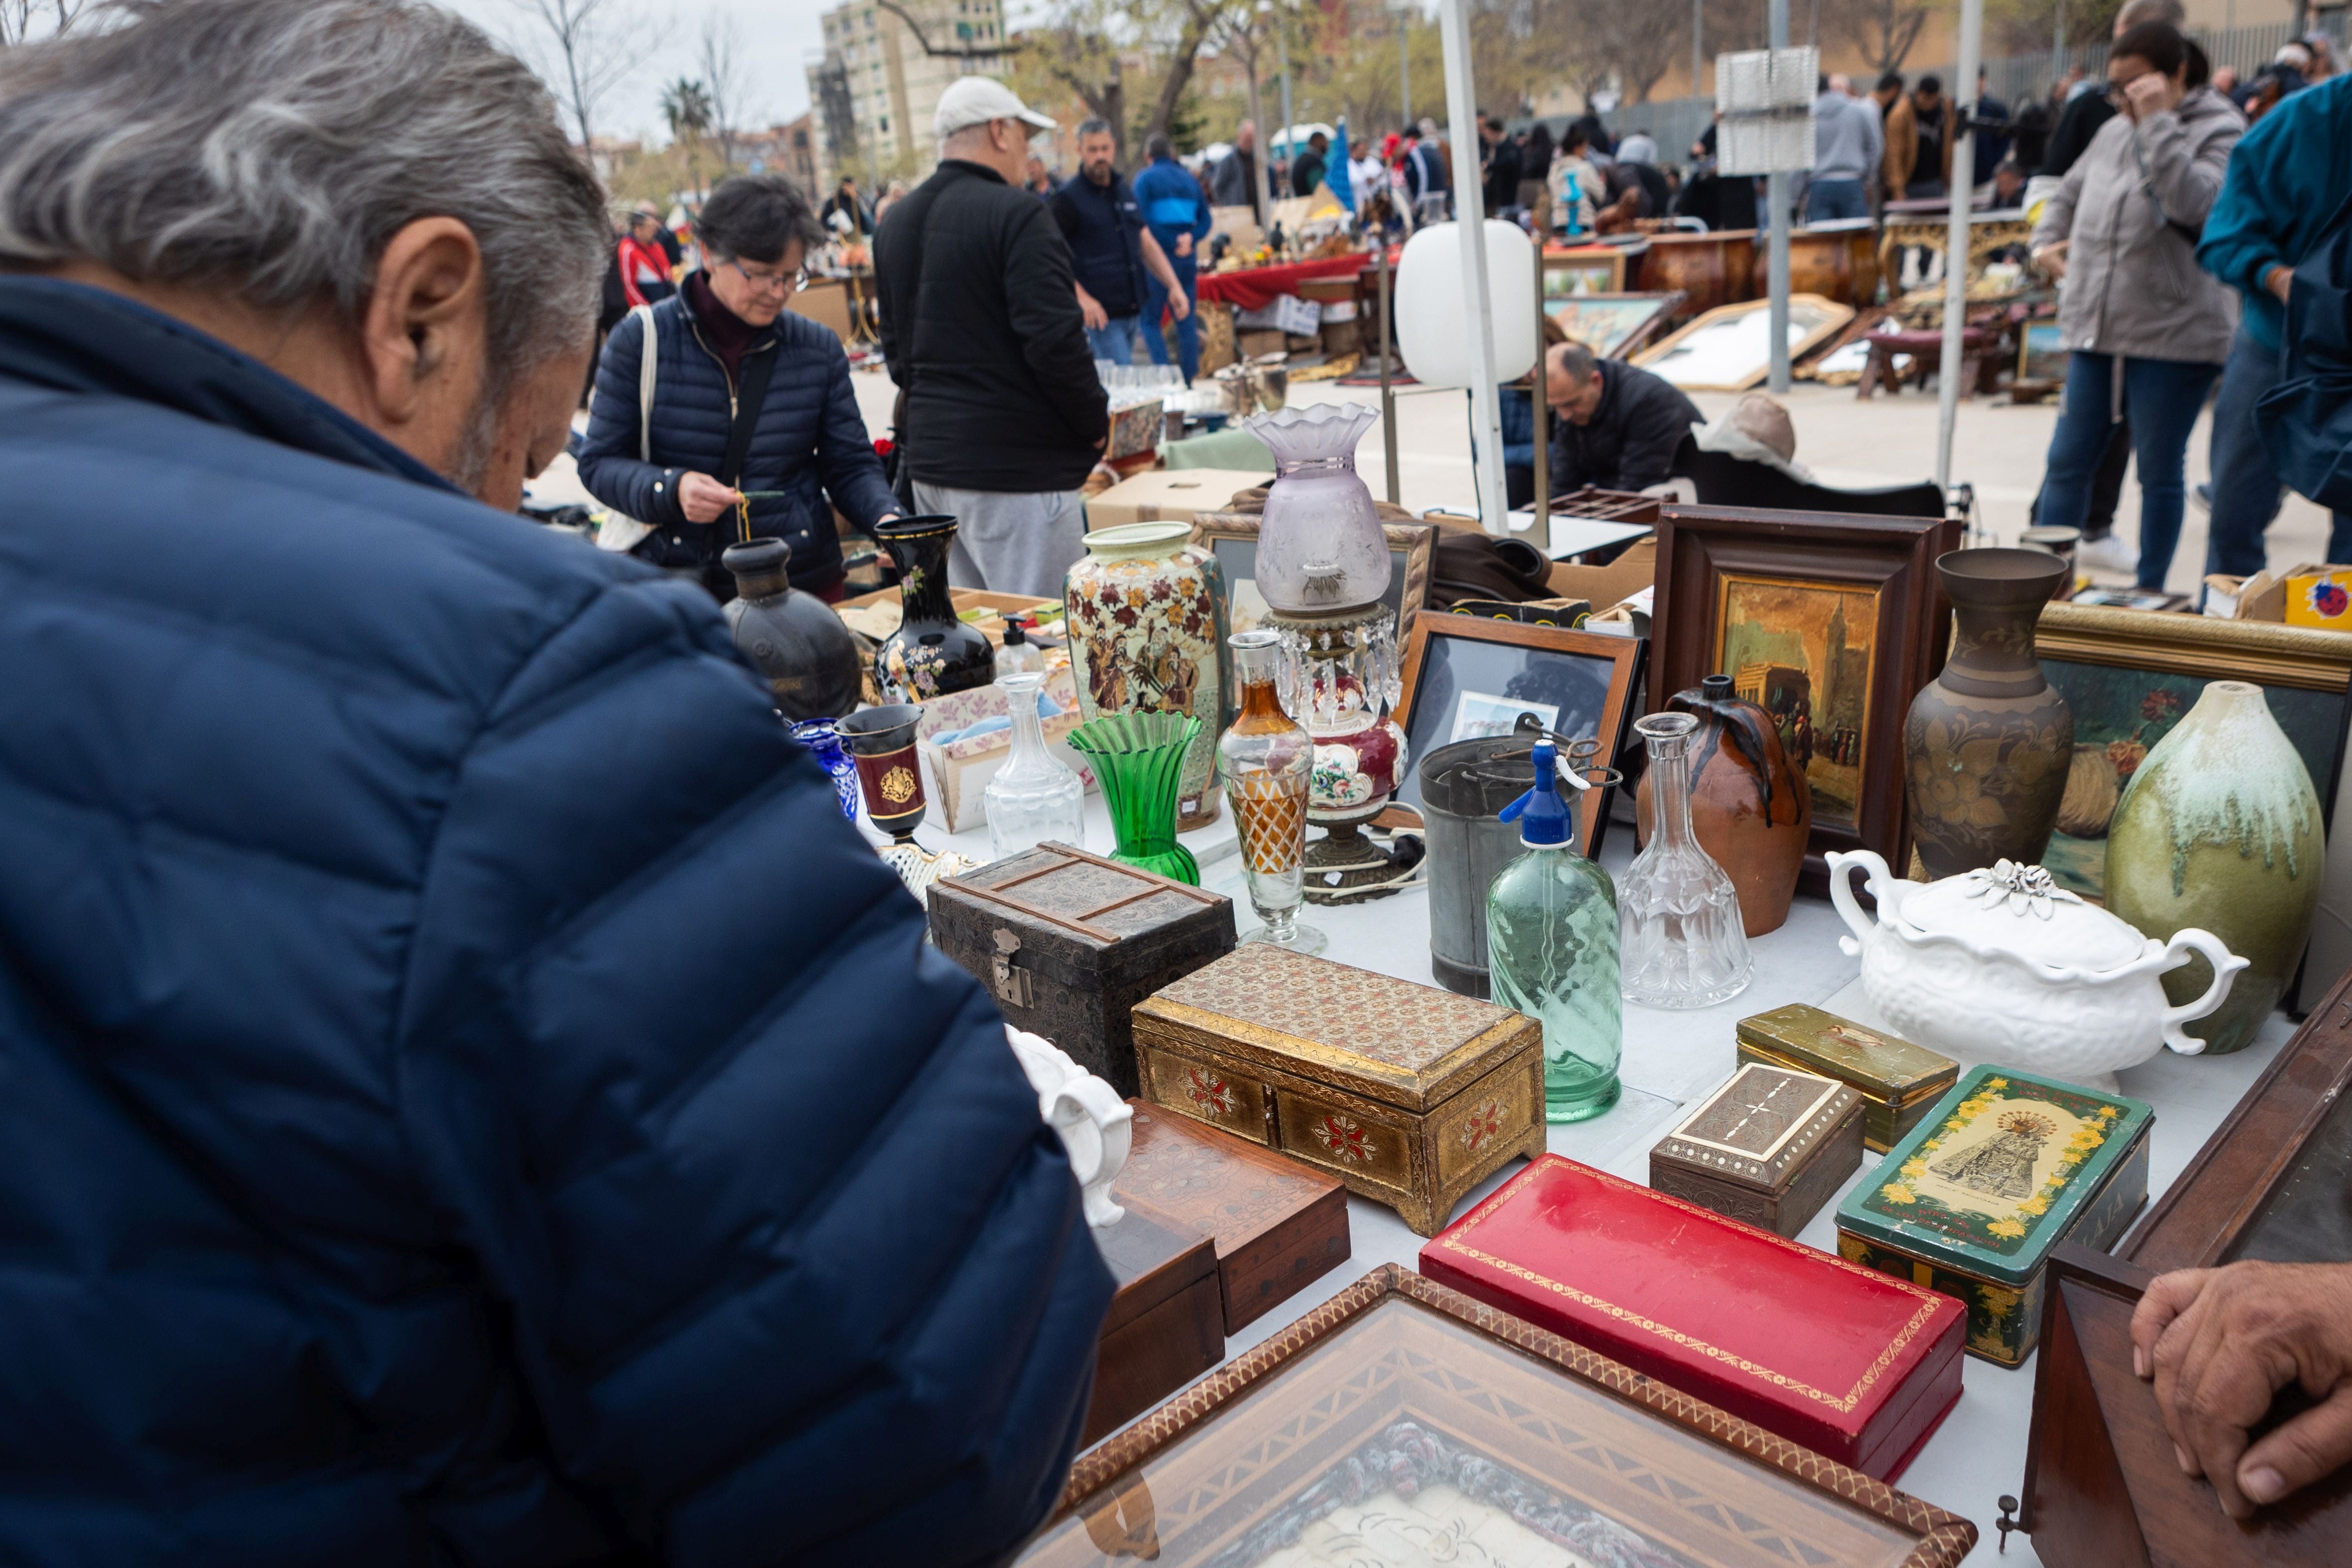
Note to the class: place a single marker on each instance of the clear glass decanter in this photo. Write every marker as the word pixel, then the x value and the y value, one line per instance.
pixel 1684 943
pixel 1551 949
pixel 1035 796
pixel 1266 759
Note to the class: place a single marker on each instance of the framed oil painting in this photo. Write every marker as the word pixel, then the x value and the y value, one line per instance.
pixel 1403 1423
pixel 1611 325
pixel 1831 623
pixel 1468 678
pixel 2129 675
pixel 1576 273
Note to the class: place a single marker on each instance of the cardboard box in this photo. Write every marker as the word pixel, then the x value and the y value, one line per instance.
pixel 1253 343
pixel 1287 313
pixel 2322 599
pixel 1330 291
pixel 1612 584
pixel 2263 596
pixel 1342 338
pixel 1170 494
pixel 1304 342
pixel 956 774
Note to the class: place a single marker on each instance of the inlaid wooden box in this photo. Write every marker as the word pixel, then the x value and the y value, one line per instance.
pixel 1769 1147
pixel 1068 942
pixel 1410 1094
pixel 1165 1327
pixel 1899 1082
pixel 1276 1223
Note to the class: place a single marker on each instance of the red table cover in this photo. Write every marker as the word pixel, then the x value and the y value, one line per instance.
pixel 1845 1361
pixel 1256 288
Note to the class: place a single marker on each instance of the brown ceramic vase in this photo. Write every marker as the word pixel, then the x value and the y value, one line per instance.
pixel 1989 743
pixel 1751 808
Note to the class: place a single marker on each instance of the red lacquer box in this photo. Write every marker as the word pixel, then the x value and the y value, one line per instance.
pixel 1845 1361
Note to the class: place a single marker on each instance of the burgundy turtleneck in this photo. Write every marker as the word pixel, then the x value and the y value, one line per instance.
pixel 727 334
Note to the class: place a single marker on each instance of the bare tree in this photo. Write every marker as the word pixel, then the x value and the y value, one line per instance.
pixel 1606 41
pixel 723 84
pixel 966 51
pixel 595 43
pixel 22 21
pixel 1886 31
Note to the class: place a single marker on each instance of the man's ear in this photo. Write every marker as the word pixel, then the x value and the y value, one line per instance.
pixel 423 328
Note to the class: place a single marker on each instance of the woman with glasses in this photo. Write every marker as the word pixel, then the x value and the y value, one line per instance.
pixel 753 429
pixel 2149 329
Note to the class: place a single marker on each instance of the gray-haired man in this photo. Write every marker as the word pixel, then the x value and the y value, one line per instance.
pixel 465 1096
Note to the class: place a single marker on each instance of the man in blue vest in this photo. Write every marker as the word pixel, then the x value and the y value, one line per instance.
pixel 1177 219
pixel 1097 213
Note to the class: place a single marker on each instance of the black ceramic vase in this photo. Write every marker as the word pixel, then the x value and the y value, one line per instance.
pixel 1988 745
pixel 931 652
pixel 794 640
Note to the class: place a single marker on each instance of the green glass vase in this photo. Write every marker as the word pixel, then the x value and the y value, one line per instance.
pixel 1139 759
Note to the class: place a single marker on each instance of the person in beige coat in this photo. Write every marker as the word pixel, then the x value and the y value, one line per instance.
pixel 2146 328
pixel 1920 129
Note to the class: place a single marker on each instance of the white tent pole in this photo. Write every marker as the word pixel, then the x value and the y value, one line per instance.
pixel 1962 189
pixel 1776 187
pixel 1470 211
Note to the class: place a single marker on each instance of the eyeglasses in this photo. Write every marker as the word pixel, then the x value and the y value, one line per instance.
pixel 787 282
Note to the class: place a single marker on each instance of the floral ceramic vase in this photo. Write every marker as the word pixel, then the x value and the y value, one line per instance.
pixel 1749 804
pixel 1320 548
pixel 1989 744
pixel 1145 612
pixel 2220 829
pixel 1139 760
pixel 932 653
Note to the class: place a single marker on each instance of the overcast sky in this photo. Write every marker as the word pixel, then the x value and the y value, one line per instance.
pixel 778 35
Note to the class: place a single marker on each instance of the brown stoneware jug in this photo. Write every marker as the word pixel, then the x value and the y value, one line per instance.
pixel 1750 807
pixel 1989 743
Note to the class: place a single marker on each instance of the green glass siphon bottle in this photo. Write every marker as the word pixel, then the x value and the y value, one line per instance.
pixel 1551 949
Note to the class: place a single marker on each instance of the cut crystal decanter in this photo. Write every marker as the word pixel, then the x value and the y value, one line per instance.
pixel 1684 944
pixel 1035 796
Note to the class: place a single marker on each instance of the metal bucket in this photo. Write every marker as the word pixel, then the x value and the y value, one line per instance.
pixel 1463 787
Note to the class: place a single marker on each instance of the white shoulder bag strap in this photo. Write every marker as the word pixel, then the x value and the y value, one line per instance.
pixel 620 532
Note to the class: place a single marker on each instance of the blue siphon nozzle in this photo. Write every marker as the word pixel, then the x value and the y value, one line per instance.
pixel 1542 816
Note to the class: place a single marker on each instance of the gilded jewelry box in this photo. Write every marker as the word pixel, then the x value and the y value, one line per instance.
pixel 2005 1167
pixel 1899 1082
pixel 1410 1094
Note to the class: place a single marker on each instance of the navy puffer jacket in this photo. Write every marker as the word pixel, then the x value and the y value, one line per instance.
pixel 465 1096
pixel 811 442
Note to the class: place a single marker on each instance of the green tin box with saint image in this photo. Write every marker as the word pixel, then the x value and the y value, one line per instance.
pixel 2001 1170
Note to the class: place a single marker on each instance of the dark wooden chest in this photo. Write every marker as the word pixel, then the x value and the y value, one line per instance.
pixel 1068 942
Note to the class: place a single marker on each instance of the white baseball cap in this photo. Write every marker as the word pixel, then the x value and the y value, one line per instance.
pixel 977 100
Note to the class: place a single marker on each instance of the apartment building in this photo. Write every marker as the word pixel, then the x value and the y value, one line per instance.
pixel 876 84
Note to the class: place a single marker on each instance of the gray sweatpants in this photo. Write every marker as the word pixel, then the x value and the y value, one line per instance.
pixel 1010 542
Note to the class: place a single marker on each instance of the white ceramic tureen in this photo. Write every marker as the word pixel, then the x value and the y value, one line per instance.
pixel 1095 1125
pixel 2000 965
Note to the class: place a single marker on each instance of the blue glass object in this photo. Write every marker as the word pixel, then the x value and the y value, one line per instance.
pixel 820 737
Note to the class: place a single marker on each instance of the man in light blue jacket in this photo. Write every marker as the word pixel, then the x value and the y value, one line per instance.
pixel 2287 178
pixel 1178 217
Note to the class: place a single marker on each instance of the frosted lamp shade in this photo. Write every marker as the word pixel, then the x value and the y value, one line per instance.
pixel 1432 315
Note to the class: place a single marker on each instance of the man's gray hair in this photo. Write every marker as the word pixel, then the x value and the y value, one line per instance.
pixel 1094 126
pixel 1572 360
pixel 271 149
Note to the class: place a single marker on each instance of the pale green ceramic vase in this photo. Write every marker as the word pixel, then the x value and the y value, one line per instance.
pixel 2220 829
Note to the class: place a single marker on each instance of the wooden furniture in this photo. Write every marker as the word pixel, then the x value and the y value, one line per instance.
pixel 1166 1325
pixel 1840 1359
pixel 1839 264
pixel 1925 353
pixel 2102 1489
pixel 1276 1223
pixel 1398 1395
pixel 1410 1094
pixel 1929 231
pixel 1899 1082
pixel 827 301
pixel 1768 1148
pixel 1711 269
pixel 1068 942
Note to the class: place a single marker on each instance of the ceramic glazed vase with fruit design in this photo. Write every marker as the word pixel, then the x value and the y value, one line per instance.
pixel 2220 829
pixel 1750 807
pixel 1987 746
pixel 1145 610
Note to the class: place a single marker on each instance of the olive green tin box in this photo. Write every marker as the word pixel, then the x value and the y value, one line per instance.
pixel 1899 1082
pixel 2003 1169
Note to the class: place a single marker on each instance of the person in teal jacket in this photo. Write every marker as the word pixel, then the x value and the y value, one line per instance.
pixel 2286 179
pixel 1178 215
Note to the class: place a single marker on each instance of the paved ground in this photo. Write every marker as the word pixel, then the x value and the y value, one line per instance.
pixel 1887 440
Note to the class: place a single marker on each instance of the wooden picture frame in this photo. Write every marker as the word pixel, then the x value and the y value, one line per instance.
pixel 2101 1483
pixel 1829 318
pixel 1607 671
pixel 1582 272
pixel 2129 675
pixel 1725 574
pixel 1245 1449
pixel 1613 326
pixel 1413 552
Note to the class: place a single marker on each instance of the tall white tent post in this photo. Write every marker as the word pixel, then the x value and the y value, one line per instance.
pixel 1470 212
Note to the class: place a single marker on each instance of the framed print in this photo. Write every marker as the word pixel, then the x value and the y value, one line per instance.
pixel 2129 676
pixel 1830 622
pixel 1611 325
pixel 1232 538
pixel 1568 275
pixel 1730 349
pixel 1467 679
pixel 1402 1422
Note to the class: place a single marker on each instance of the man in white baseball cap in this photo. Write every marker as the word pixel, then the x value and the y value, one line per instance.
pixel 1001 415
